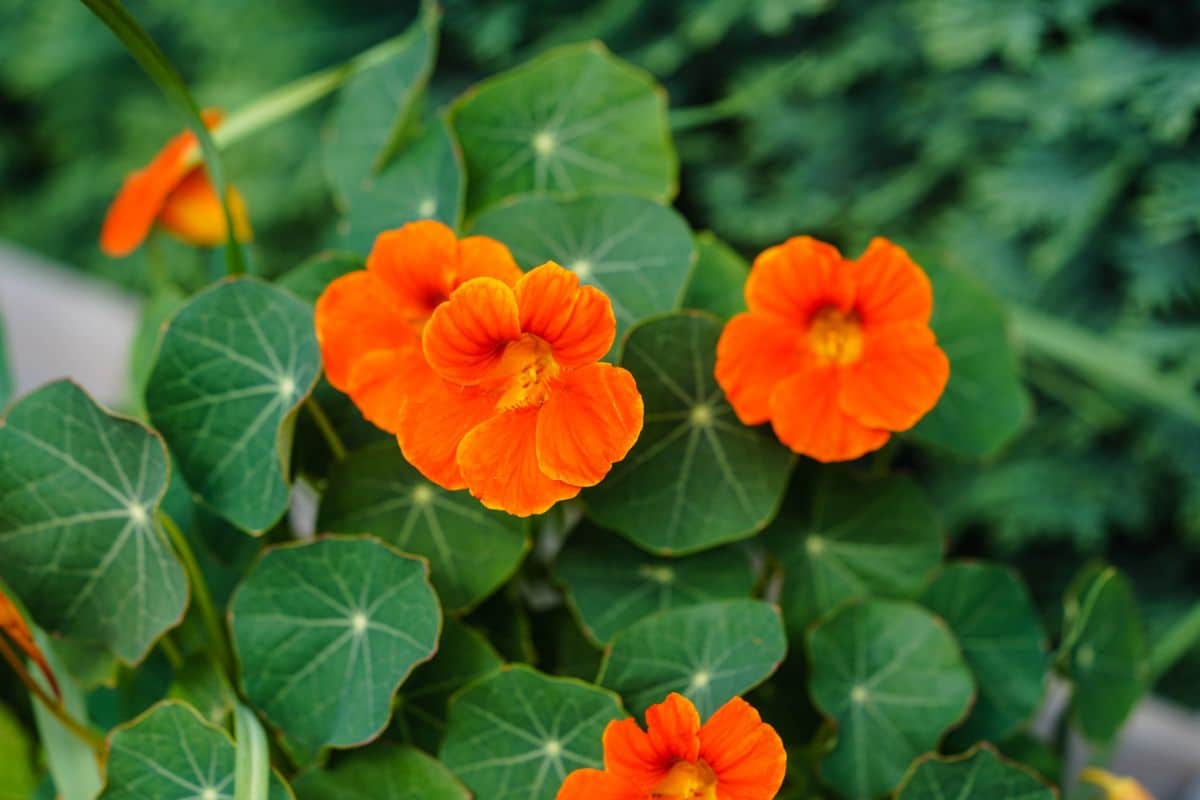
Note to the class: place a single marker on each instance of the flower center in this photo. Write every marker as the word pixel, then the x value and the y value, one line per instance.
pixel 525 372
pixel 687 780
pixel 835 336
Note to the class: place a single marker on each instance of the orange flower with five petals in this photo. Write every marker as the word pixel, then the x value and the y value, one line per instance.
pixel 174 191
pixel 836 354
pixel 733 756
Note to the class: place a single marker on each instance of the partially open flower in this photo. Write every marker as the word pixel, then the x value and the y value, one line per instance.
pixel 1114 786
pixel 173 191
pixel 836 354
pixel 13 625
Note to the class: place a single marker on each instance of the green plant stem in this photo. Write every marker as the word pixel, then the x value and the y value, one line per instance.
pixel 1173 645
pixel 171 651
pixel 683 119
pixel 218 639
pixel 330 434
pixel 54 705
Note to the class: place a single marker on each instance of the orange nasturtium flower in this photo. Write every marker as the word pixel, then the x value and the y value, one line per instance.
pixel 1115 787
pixel 837 354
pixel 733 756
pixel 174 191
pixel 12 624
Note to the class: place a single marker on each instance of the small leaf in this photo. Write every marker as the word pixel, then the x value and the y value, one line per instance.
pixel 611 584
pixel 697 477
pixel 471 550
pixel 325 633
pixel 79 543
pixel 383 772
pixel 718 280
pixel 515 734
pixel 891 677
pixel 233 366
pixel 575 120
pixel 708 653
pixel 980 774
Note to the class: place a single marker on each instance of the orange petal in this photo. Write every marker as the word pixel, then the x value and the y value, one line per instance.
pixel 381 382
pixel 900 378
pixel 484 257
pixel 808 418
pixel 754 354
pixel 433 423
pixel 798 277
pixel 357 314
pixel 631 755
pixel 499 463
pixel 418 261
pixel 193 213
pixel 591 419
pixel 592 784
pixel 577 321
pixel 891 287
pixel 13 624
pixel 674 729
pixel 465 338
pixel 747 755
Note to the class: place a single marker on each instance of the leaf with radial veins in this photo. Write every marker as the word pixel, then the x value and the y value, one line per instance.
pixel 891 677
pixel 980 774
pixel 170 753
pixel 325 633
pixel 79 542
pixel 697 477
pixel 612 584
pixel 636 251
pixel 382 772
pixel 516 734
pixel 708 653
pixel 718 280
pixel 575 120
pixel 471 550
pixel 233 366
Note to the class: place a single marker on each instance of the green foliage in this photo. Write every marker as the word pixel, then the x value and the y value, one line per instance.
pixel 6 379
pixel 978 775
pixel 17 778
pixel 385 772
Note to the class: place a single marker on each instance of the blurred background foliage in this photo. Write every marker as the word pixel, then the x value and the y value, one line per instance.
pixel 1049 147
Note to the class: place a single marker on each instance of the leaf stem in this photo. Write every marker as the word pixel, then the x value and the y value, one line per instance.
pixel 1173 645
pixel 217 636
pixel 55 706
pixel 171 651
pixel 330 434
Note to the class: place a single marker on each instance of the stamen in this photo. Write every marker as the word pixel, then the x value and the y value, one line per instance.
pixel 835 336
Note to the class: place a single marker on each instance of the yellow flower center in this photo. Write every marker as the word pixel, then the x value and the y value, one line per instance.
pixel 835 336
pixel 525 372
pixel 687 780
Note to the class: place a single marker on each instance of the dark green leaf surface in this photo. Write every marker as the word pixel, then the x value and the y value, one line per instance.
pixel 325 633
pixel 891 677
pixel 708 653
pixel 717 281
pixel 611 584
pixel 309 279
pixel 233 366
pixel 978 775
pixel 638 252
pixel 573 121
pixel 993 617
pixel 79 543
pixel 471 550
pixel 383 772
pixel 840 536
pixel 516 734
pixel 697 477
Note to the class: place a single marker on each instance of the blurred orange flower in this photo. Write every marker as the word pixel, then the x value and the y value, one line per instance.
pixel 1115 787
pixel 13 624
pixel 734 756
pixel 369 322
pixel 175 192
pixel 525 415
pixel 837 354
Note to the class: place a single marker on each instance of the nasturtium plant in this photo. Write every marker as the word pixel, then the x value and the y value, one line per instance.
pixel 980 774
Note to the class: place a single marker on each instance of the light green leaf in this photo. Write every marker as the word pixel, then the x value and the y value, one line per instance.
pixel 716 284
pixel 309 279
pixel 71 761
pixel 980 774
pixel 575 120
pixel 638 252
pixel 611 584
pixel 233 366
pixel 891 677
pixel 708 653
pixel 325 633
pixel 17 780
pixel 383 772
pixel 170 753
pixel 985 403
pixel 994 619
pixel 697 477
pixel 471 550
pixel 79 543
pixel 516 734
pixel 841 536
pixel 6 379
pixel 252 767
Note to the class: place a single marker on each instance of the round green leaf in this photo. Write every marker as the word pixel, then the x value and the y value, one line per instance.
pixel 985 403
pixel 716 284
pixel 170 753
pixel 708 653
pixel 841 536
pixel 516 734
pixel 637 251
pixel 575 120
pixel 233 366
pixel 994 619
pixel 611 584
pixel 697 477
pixel 325 633
pixel 471 550
pixel 383 772
pixel 978 775
pixel 891 677
pixel 79 541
